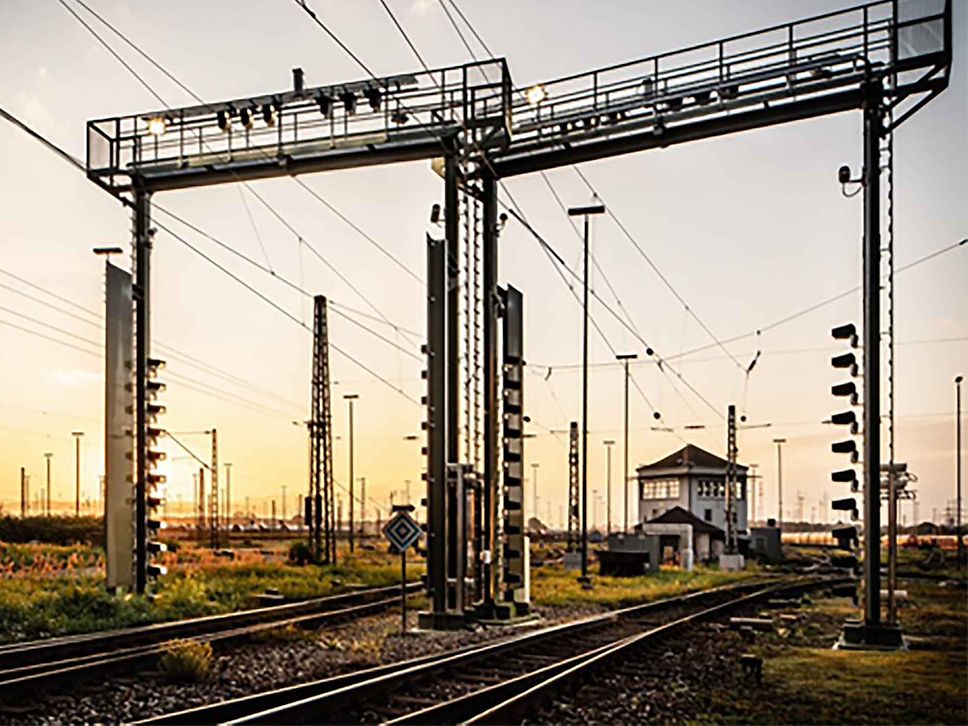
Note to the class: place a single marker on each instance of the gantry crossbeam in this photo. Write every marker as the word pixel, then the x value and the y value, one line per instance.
pixel 785 73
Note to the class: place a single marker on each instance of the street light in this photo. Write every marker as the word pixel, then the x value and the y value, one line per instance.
pixel 608 485
pixel 779 481
pixel 48 455
pixel 351 397
pixel 625 358
pixel 585 212
pixel 77 472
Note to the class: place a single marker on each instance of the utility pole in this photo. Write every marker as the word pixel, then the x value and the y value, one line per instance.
pixel 585 212
pixel 77 472
pixel 213 514
pixel 351 398
pixel 779 481
pixel 961 544
pixel 625 358
pixel 608 485
pixel 752 480
pixel 24 492
pixel 283 502
pixel 362 507
pixel 228 500
pixel 48 456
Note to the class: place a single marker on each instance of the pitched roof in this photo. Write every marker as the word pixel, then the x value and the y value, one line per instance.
pixel 678 515
pixel 689 456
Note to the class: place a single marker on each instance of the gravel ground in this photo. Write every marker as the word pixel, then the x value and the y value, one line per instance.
pixel 274 661
pixel 668 682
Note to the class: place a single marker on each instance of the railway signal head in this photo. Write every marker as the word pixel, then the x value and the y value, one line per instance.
pixel 846 332
pixel 848 504
pixel 845 418
pixel 846 447
pixel 845 360
pixel 848 390
pixel 846 476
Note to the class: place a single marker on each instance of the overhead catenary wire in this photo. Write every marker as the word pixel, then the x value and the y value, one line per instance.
pixel 134 46
pixel 278 307
pixel 628 235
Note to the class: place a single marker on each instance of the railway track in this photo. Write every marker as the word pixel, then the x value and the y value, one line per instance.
pixel 462 685
pixel 52 662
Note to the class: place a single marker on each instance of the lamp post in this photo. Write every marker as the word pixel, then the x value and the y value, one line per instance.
pixel 585 212
pixel 608 485
pixel 779 482
pixel 625 358
pixel 48 455
pixel 351 397
pixel 961 545
pixel 77 472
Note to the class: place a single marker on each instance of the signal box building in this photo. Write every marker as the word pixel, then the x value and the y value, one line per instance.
pixel 695 480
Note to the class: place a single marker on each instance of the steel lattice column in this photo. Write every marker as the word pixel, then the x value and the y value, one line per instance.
pixel 142 300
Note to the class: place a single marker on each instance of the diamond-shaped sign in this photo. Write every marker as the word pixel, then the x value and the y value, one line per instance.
pixel 402 531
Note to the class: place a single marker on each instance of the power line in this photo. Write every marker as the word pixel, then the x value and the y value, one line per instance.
pixel 657 271
pixel 50 338
pixel 197 98
pixel 827 301
pixel 271 302
pixel 48 304
pixel 188 451
pixel 405 36
pixel 557 257
pixel 33 284
pixel 309 11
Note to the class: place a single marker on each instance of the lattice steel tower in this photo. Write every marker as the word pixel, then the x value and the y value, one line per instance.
pixel 321 523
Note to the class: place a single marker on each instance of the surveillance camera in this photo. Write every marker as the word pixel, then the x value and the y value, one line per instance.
pixel 843 174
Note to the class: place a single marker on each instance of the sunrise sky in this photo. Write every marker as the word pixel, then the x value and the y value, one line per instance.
pixel 748 229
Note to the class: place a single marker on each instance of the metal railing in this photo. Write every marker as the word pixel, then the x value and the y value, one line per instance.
pixel 473 98
pixel 778 64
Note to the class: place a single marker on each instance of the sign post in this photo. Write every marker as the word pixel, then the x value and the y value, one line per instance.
pixel 402 531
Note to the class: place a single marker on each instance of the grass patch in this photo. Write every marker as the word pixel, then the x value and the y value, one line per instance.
pixel 185 661
pixel 50 590
pixel 807 682
pixel 553 586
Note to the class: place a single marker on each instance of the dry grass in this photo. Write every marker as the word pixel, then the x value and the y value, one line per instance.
pixel 553 586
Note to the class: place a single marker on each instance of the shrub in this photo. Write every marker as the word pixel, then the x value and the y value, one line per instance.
pixel 300 554
pixel 53 530
pixel 186 661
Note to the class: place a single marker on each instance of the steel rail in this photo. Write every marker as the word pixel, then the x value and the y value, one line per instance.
pixel 61 660
pixel 511 701
pixel 337 701
pixel 247 706
pixel 23 653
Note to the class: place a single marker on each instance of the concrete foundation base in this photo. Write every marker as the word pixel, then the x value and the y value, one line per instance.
pixel 858 635
pixel 441 621
pixel 732 563
pixel 572 560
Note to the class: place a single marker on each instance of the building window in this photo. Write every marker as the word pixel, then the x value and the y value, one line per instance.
pixel 708 515
pixel 660 489
pixel 711 488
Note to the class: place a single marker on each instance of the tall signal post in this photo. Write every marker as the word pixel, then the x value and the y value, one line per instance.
pixel 608 485
pixel 779 482
pixel 351 398
pixel 585 212
pixel 625 358
pixel 77 472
